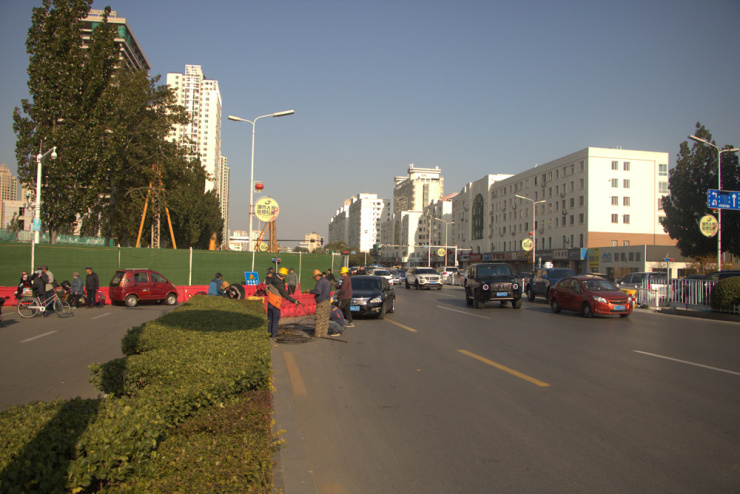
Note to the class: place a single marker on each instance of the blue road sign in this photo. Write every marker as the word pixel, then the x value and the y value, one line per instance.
pixel 723 199
pixel 251 278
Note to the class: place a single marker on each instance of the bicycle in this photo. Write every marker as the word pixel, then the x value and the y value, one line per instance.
pixel 31 306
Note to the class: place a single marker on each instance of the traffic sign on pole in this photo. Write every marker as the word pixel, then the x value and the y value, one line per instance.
pixel 723 199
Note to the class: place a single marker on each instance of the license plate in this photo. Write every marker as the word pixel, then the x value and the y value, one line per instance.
pixel 501 294
pixel 354 308
pixel 619 307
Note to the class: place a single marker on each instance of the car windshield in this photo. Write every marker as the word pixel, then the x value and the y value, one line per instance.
pixel 426 271
pixel 366 284
pixel 381 272
pixel 561 273
pixel 598 285
pixel 491 271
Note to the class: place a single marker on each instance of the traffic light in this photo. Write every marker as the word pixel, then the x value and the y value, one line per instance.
pixel 375 249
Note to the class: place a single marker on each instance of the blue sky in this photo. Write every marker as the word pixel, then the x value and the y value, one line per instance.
pixel 474 87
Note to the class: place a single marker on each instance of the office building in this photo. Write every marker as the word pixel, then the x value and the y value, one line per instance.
pixel 131 56
pixel 224 173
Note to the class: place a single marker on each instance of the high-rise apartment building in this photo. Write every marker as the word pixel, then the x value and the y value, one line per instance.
pixel 417 189
pixel 201 136
pixel 131 55
pixel 223 196
pixel 358 223
pixel 8 185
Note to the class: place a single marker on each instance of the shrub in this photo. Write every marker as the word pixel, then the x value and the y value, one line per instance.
pixel 726 294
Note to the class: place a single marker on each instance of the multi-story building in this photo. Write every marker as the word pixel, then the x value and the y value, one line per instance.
pixel 417 189
pixel 8 185
pixel 131 55
pixel 593 198
pixel 201 136
pixel 358 222
pixel 223 196
pixel 313 241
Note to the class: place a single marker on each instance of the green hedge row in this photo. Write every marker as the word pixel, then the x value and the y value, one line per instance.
pixel 206 362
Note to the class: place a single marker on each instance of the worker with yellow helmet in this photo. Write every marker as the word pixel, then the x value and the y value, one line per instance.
pixel 276 285
pixel 344 295
pixel 323 303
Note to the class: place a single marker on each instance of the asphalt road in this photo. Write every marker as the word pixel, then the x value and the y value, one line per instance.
pixel 441 397
pixel 43 359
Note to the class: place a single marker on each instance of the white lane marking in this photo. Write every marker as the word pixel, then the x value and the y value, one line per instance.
pixel 39 336
pixel 462 312
pixel 101 315
pixel 689 363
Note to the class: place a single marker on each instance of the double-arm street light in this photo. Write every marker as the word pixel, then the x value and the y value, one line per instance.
pixel 534 228
pixel 719 187
pixel 447 224
pixel 251 176
pixel 37 206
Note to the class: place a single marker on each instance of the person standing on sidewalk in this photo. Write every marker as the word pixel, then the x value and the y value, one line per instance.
pixel 323 304
pixel 292 281
pixel 92 284
pixel 275 300
pixel 344 295
pixel 76 290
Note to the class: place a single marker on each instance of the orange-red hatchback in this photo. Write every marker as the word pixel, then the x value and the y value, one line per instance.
pixel 131 286
pixel 590 295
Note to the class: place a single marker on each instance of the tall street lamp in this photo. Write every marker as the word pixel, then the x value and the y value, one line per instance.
pixel 719 187
pixel 534 228
pixel 447 224
pixel 37 208
pixel 251 176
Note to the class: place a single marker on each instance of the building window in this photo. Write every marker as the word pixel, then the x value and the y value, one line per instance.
pixel 572 219
pixel 582 184
pixel 662 170
pixel 626 219
pixel 615 243
pixel 625 201
pixel 632 254
pixel 615 165
pixel 660 204
pixel 615 218
pixel 572 202
pixel 615 201
pixel 663 187
pixel 581 240
pixel 580 218
pixel 626 183
pixel 626 166
pixel 615 183
pixel 582 165
pixel 477 232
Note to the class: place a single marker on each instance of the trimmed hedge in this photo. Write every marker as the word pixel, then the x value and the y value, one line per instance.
pixel 726 294
pixel 203 360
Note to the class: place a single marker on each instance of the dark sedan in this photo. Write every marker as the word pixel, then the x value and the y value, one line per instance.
pixel 590 295
pixel 372 296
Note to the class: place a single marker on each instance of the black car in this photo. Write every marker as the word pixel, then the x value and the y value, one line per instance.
pixel 487 282
pixel 372 296
pixel 544 279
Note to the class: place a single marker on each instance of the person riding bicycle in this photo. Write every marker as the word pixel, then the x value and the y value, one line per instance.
pixel 38 282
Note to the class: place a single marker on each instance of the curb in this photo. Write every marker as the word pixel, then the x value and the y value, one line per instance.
pixel 717 316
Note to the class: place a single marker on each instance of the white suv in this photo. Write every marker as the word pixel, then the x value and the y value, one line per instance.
pixel 383 273
pixel 423 278
pixel 448 273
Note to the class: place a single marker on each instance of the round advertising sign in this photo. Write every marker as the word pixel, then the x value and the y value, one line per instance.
pixel 708 225
pixel 263 247
pixel 266 209
pixel 441 252
pixel 527 244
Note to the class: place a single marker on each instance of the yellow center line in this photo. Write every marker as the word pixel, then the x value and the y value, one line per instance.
pixel 296 382
pixel 505 369
pixel 401 325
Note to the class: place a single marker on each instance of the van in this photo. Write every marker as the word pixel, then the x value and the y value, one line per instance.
pixel 130 286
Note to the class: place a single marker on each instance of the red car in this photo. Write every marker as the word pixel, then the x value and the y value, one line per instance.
pixel 133 285
pixel 590 295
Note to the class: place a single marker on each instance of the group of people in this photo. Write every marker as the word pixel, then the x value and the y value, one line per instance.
pixel 43 284
pixel 331 318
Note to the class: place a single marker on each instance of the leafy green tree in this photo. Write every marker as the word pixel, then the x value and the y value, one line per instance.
pixel 66 84
pixel 694 174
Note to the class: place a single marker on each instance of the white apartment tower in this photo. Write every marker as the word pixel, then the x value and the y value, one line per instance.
pixel 417 189
pixel 223 195
pixel 8 185
pixel 201 136
pixel 358 222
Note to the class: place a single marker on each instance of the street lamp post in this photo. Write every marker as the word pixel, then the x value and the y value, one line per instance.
pixel 534 228
pixel 719 187
pixel 251 175
pixel 37 206
pixel 447 224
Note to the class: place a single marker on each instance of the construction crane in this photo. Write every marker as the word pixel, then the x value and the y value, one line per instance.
pixel 156 193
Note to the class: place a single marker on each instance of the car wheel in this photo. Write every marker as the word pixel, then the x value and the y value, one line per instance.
pixel 235 291
pixel 468 298
pixel 171 299
pixel 517 304
pixel 407 285
pixel 624 315
pixel 555 306
pixel 479 304
pixel 132 300
pixel 530 294
pixel 393 306
pixel 586 310
pixel 417 284
pixel 381 315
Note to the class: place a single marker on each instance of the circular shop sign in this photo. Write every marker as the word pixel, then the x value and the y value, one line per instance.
pixel 441 252
pixel 263 247
pixel 708 225
pixel 527 244
pixel 266 209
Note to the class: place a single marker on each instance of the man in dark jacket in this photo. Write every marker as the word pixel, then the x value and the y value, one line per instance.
pixel 323 303
pixel 276 283
pixel 215 287
pixel 92 284
pixel 344 295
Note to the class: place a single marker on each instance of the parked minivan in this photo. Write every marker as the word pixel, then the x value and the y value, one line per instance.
pixel 130 286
